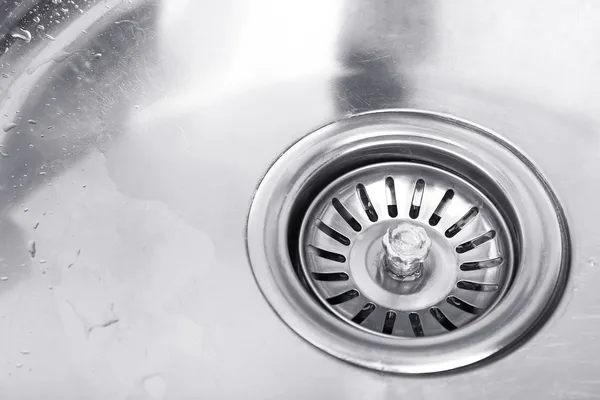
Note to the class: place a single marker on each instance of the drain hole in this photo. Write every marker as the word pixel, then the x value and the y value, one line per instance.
pixel 332 233
pixel 415 322
pixel 343 297
pixel 442 319
pixel 345 214
pixel 415 206
pixel 330 276
pixel 461 223
pixel 477 286
pixel 390 195
pixel 329 255
pixel 441 208
pixel 478 241
pixel 361 190
pixel 388 324
pixel 475 265
pixel 364 313
pixel 463 305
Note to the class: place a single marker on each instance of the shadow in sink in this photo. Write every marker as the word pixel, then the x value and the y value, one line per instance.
pixel 380 44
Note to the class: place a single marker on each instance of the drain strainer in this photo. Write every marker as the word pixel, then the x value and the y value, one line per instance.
pixel 464 265
pixel 409 242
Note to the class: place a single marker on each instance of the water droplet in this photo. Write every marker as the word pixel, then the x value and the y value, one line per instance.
pixel 26 209
pixel 98 55
pixel 32 121
pixel 3 278
pixel 19 365
pixel 42 261
pixel 49 37
pixel 3 154
pixel 4 75
pixel 41 27
pixel 36 225
pixel 8 126
pixel 31 248
pixel 36 19
pixel 592 262
pixel 23 35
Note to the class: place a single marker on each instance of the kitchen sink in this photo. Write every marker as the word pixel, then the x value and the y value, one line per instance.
pixel 265 199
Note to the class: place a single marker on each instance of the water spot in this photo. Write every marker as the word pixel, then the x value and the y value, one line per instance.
pixel 155 386
pixel 26 209
pixel 592 262
pixel 25 352
pixel 32 121
pixel 19 365
pixel 23 35
pixel 8 126
pixel 36 19
pixel 42 261
pixel 3 154
pixel 3 278
pixel 4 75
pixel 31 248
pixel 35 226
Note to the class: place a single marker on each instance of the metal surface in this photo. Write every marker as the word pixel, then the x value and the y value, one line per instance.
pixel 363 256
pixel 530 216
pixel 141 287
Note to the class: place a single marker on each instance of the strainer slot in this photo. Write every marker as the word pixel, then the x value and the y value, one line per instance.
pixel 361 191
pixel 415 323
pixel 417 198
pixel 463 305
pixel 478 241
pixel 442 319
pixel 345 214
pixel 441 208
pixel 364 313
pixel 343 297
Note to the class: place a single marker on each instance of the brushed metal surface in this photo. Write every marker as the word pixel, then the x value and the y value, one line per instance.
pixel 159 118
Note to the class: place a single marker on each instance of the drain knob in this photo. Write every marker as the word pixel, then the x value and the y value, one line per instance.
pixel 406 246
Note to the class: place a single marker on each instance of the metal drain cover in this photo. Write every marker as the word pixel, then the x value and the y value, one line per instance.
pixel 408 242
pixel 466 270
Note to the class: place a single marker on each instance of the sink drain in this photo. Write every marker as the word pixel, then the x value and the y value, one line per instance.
pixel 409 242
pixel 466 268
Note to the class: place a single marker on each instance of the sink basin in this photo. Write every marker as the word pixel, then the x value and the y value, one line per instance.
pixel 134 135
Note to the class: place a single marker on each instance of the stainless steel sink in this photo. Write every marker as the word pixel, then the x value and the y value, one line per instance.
pixel 134 135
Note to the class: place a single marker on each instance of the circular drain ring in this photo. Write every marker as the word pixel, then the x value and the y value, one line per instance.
pixel 405 135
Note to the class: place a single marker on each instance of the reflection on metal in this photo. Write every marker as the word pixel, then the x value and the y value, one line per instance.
pixel 155 121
